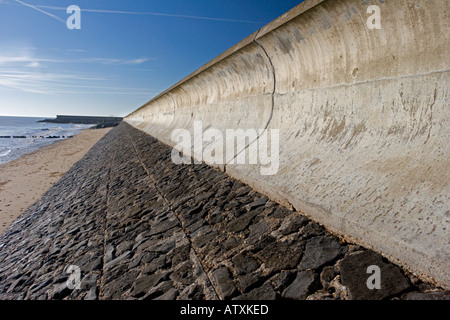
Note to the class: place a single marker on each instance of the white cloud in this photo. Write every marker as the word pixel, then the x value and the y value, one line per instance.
pixel 110 61
pixel 27 73
pixel 76 50
pixel 34 64
pixel 136 61
pixel 33 81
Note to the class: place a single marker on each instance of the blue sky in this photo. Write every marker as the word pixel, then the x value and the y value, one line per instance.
pixel 125 53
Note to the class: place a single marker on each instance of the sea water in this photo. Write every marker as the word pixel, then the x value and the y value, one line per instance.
pixel 21 135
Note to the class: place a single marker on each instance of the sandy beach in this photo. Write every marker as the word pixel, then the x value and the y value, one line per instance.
pixel 25 180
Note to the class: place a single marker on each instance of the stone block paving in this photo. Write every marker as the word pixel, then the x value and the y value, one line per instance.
pixel 136 226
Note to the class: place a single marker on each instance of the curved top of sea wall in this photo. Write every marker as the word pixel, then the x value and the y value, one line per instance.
pixel 361 114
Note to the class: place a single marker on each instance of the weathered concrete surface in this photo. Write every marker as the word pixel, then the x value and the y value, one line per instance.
pixel 363 117
pixel 140 227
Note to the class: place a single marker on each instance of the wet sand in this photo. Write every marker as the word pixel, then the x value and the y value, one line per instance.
pixel 24 180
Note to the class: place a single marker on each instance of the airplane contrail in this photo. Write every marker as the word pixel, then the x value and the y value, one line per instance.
pixel 152 14
pixel 37 7
pixel 40 10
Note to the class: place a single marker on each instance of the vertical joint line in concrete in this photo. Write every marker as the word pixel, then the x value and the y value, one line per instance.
pixel 174 104
pixel 274 79
pixel 272 97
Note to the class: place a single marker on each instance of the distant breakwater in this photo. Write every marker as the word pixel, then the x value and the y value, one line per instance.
pixel 100 122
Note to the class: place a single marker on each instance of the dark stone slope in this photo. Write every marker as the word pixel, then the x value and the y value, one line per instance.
pixel 137 226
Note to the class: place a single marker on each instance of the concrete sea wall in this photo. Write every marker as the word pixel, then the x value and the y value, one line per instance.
pixel 363 117
pixel 126 223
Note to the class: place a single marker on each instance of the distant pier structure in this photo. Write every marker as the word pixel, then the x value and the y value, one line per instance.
pixel 100 122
